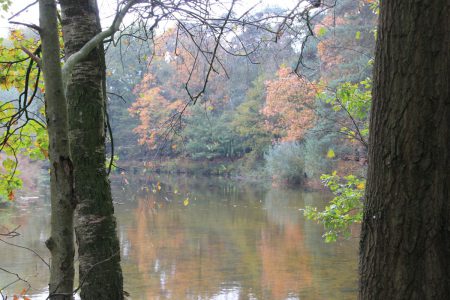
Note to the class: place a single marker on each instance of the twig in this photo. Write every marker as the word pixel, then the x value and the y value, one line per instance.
pixel 32 56
pixel 32 26
pixel 18 279
pixel 11 233
pixel 29 249
pixel 22 10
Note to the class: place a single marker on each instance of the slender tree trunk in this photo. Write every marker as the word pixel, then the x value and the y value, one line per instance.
pixel 405 239
pixel 61 241
pixel 95 225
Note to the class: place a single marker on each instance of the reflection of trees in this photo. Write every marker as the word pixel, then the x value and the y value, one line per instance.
pixel 230 237
pixel 334 265
pixel 33 221
pixel 286 262
pixel 174 262
pixel 222 240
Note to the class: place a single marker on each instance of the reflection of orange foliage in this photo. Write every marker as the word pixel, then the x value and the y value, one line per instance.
pixel 192 253
pixel 167 260
pixel 289 105
pixel 285 261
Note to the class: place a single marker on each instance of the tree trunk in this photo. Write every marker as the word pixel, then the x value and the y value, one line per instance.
pixel 405 239
pixel 61 241
pixel 95 225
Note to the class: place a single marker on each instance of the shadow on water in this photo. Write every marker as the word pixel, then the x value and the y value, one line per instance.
pixel 205 238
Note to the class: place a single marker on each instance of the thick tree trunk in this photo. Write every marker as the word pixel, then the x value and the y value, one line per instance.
pixel 95 225
pixel 405 239
pixel 61 241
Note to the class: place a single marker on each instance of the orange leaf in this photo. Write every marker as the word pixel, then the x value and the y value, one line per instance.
pixel 45 152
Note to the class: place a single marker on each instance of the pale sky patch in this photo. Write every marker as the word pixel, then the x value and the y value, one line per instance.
pixel 107 10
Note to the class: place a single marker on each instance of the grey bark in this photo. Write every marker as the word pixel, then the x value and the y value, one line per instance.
pixel 405 239
pixel 95 225
pixel 61 241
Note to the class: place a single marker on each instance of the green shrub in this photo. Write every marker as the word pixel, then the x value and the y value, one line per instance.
pixel 285 162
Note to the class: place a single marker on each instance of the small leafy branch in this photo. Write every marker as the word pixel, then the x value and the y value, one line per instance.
pixel 344 210
pixel 354 100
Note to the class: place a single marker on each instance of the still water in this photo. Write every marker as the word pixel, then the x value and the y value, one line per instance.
pixel 200 238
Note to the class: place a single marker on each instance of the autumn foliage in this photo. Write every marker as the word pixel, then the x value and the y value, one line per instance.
pixel 248 110
pixel 163 100
pixel 289 108
pixel 154 108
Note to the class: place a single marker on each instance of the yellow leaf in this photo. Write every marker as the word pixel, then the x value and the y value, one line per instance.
pixel 330 153
pixel 361 186
pixel 186 202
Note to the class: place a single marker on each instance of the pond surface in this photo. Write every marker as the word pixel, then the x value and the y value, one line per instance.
pixel 200 238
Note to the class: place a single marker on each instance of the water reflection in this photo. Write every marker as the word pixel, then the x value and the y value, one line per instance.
pixel 233 241
pixel 34 220
pixel 230 241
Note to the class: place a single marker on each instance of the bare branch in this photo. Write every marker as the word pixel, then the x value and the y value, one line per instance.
pixel 32 26
pixel 26 248
pixel 13 282
pixel 22 10
pixel 10 233
pixel 32 56
pixel 95 41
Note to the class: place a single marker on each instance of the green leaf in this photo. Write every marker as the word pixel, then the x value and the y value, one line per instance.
pixel 9 164
pixel 322 31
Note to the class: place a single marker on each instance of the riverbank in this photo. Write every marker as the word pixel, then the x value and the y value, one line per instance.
pixel 232 169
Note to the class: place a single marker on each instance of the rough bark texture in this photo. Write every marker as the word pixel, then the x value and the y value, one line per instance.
pixel 61 241
pixel 405 242
pixel 95 225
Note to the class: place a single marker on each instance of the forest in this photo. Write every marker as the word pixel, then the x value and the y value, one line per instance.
pixel 205 149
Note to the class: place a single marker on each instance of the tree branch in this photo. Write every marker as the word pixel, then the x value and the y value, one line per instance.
pixel 32 56
pixel 94 42
pixel 32 26
pixel 22 10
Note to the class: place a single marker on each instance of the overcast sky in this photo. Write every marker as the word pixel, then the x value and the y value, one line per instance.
pixel 107 9
pixel 31 15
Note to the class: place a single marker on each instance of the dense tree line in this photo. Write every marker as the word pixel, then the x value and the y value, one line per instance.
pixel 260 103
